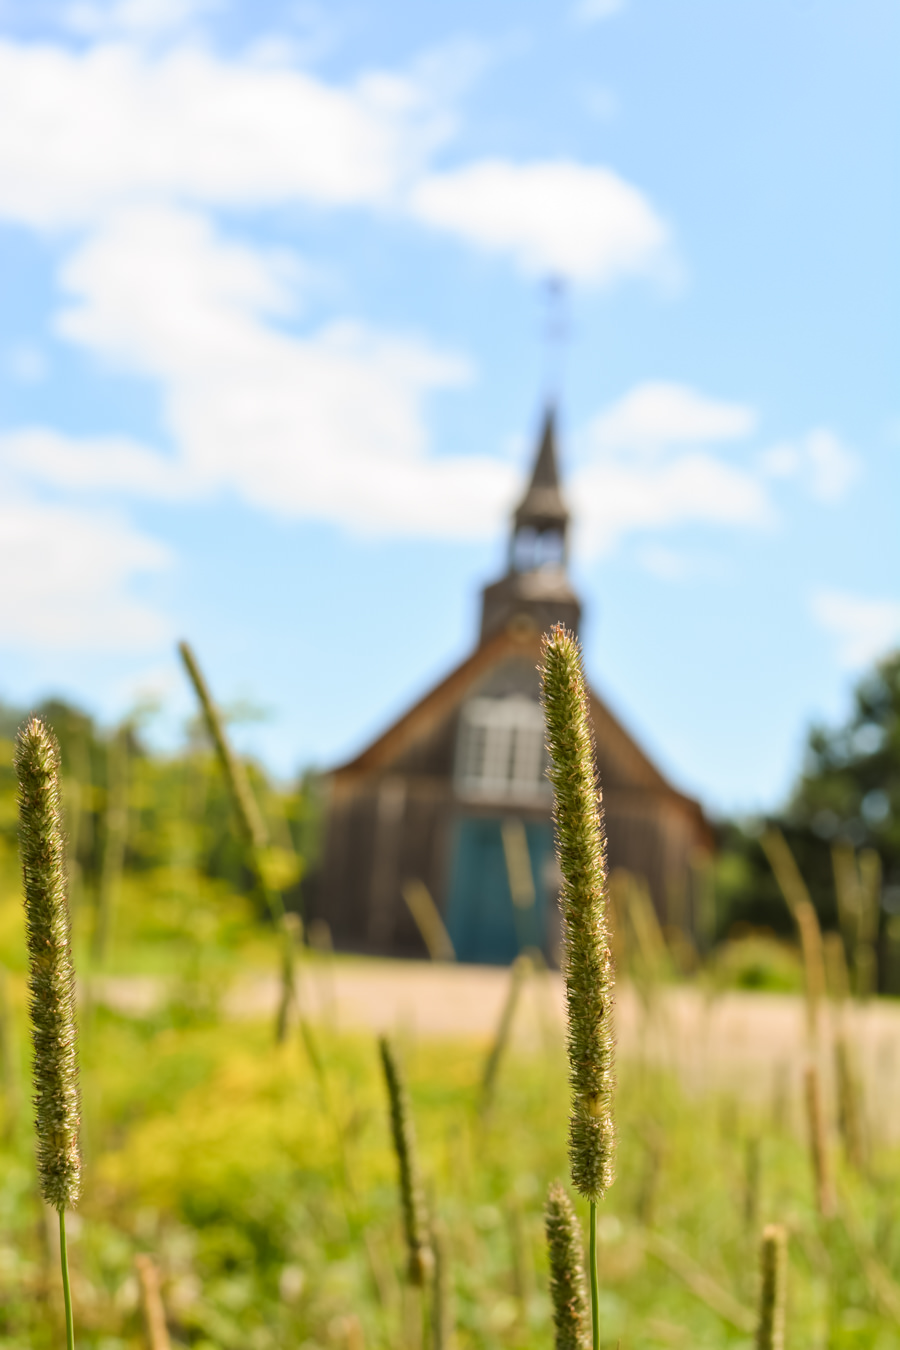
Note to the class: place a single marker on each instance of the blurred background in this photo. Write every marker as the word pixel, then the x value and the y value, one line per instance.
pixel 291 294
pixel 274 352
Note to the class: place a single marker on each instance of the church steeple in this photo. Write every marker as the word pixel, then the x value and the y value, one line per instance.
pixel 540 524
pixel 536 588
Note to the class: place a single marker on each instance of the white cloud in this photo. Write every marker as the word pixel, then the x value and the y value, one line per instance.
pixel 68 574
pixel 650 462
pixel 659 413
pixel 121 123
pixel 595 11
pixel 139 18
pixel 106 465
pixel 833 466
pixel 327 426
pixel 557 216
pixel 616 497
pixel 819 460
pixel 865 629
pixel 664 455
pixel 83 132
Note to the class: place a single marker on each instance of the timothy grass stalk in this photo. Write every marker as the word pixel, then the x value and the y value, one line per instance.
pixel 428 920
pixel 848 1097
pixel 818 1143
pixel 793 888
pixel 51 980
pixel 587 959
pixel 566 1260
pixel 522 1266
pixel 773 1288
pixel 441 1306
pixel 248 814
pixel 700 1283
pixel 857 884
pixel 866 963
pixel 654 1145
pixel 521 968
pixel 420 1256
pixel 520 878
pixel 252 827
pixel 8 1059
pixel 752 1178
pixel 75 793
pixel 116 839
pixel 651 957
pixel 151 1299
pixel 837 977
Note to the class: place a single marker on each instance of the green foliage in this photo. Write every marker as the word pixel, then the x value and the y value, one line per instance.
pixel 848 791
pixel 265 1188
pixel 208 1146
pixel 850 785
pixel 180 820
pixel 757 960
pixel 745 887
pixel 273 1214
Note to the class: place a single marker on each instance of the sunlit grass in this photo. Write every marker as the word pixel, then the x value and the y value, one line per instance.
pixel 211 1147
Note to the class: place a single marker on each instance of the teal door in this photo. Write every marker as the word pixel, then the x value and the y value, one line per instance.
pixel 482 921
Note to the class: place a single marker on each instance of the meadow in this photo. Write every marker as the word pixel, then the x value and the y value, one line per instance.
pixel 259 1175
pixel 267 1196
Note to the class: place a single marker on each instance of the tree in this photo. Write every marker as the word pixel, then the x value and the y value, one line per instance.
pixel 848 791
pixel 850 785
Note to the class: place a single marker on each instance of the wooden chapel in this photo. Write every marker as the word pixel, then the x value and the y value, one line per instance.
pixel 439 797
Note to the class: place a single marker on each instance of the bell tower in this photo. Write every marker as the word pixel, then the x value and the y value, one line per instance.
pixel 536 589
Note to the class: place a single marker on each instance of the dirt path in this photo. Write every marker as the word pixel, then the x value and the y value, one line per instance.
pixel 750 1045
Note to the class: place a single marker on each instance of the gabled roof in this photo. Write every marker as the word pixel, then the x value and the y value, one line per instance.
pixel 441 700
pixel 518 640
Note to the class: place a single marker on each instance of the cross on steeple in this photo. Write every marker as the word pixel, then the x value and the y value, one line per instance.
pixel 556 330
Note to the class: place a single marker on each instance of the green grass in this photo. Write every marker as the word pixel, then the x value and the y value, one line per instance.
pixel 269 1200
pixel 213 1149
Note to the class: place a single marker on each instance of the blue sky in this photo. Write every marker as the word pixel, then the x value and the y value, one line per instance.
pixel 272 358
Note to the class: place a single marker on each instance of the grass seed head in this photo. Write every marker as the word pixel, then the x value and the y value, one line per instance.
pixel 421 1257
pixel 587 960
pixel 566 1259
pixel 773 1288
pixel 51 981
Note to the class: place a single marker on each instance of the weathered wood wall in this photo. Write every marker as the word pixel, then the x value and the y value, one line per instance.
pixel 392 811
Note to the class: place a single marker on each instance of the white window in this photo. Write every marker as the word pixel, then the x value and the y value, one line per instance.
pixel 500 753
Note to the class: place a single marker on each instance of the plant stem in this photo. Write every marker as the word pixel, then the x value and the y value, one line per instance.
pixel 595 1291
pixel 67 1293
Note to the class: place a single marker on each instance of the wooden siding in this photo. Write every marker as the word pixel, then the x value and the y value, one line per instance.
pixel 392 809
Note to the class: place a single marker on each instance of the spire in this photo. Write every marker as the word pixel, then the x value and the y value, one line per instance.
pixel 542 507
pixel 536 588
